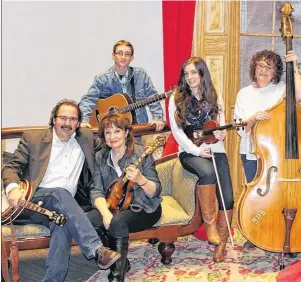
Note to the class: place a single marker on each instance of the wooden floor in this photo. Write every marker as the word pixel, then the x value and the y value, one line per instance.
pixel 32 266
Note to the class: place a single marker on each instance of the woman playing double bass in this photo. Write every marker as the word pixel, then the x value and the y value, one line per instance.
pixel 193 104
pixel 266 70
pixel 119 152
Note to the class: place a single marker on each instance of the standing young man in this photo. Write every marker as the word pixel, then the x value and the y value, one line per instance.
pixel 118 80
pixel 53 159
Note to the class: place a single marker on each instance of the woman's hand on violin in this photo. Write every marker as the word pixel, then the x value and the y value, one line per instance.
pixel 205 152
pixel 219 134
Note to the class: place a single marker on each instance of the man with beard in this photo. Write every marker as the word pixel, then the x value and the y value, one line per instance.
pixel 52 160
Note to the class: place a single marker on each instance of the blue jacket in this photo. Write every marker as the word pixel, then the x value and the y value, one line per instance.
pixel 108 83
pixel 105 174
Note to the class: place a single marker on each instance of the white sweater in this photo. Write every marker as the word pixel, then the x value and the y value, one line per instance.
pixel 250 100
pixel 185 144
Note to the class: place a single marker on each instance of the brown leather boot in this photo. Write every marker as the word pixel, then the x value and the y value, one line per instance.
pixel 106 257
pixel 207 198
pixel 218 255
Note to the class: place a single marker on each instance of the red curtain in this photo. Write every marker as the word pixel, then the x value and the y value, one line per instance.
pixel 178 21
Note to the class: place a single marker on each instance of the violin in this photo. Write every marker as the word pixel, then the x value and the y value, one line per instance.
pixel 120 191
pixel 205 135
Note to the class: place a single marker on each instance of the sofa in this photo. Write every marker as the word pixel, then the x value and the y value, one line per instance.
pixel 180 214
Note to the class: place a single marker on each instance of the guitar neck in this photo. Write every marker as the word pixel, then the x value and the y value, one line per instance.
pixel 143 103
pixel 35 208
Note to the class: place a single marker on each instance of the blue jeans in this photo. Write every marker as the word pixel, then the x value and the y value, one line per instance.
pixel 250 167
pixel 77 226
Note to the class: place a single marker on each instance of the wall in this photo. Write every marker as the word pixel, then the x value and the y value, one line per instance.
pixel 52 50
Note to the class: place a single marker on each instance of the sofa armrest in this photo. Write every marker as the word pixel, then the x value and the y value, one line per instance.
pixel 183 190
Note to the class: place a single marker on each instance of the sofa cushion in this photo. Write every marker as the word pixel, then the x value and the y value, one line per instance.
pixel 172 213
pixel 26 231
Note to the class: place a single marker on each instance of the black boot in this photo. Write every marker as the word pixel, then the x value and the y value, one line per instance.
pixel 118 268
pixel 104 237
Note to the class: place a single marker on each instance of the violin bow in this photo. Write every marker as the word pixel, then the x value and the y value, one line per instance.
pixel 222 197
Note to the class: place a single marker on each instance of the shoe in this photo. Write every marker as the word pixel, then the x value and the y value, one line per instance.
pixel 122 265
pixel 207 199
pixel 106 257
pixel 219 252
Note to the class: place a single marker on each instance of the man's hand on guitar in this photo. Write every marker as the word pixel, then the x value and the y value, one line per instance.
pixel 159 124
pixel 85 124
pixel 14 196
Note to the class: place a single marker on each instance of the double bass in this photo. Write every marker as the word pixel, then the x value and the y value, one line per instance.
pixel 269 208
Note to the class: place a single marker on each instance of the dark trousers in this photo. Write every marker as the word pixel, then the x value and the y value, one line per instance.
pixel 250 167
pixel 204 170
pixel 125 222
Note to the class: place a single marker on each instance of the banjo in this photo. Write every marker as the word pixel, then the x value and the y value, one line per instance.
pixel 8 212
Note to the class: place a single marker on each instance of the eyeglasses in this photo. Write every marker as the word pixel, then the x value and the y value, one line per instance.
pixel 64 118
pixel 121 54
pixel 264 67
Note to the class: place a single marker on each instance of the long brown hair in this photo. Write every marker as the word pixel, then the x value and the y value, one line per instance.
pixel 183 93
pixel 120 121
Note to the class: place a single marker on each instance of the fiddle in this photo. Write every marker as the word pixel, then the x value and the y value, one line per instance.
pixel 205 135
pixel 120 191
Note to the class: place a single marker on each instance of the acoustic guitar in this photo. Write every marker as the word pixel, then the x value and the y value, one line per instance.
pixel 122 104
pixel 8 212
pixel 119 193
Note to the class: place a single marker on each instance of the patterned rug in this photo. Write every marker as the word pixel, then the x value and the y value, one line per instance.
pixel 192 261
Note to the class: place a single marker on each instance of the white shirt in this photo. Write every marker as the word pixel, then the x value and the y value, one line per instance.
pixel 250 100
pixel 64 167
pixel 185 144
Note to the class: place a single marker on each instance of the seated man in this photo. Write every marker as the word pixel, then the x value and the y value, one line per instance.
pixel 53 159
pixel 118 79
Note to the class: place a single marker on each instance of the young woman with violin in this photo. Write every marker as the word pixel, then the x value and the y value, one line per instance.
pixel 193 104
pixel 266 70
pixel 114 161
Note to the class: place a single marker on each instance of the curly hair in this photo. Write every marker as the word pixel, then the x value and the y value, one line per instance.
pixel 125 43
pixel 120 121
pixel 67 102
pixel 183 93
pixel 271 58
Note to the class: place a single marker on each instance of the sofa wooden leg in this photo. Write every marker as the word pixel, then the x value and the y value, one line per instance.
pixel 166 250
